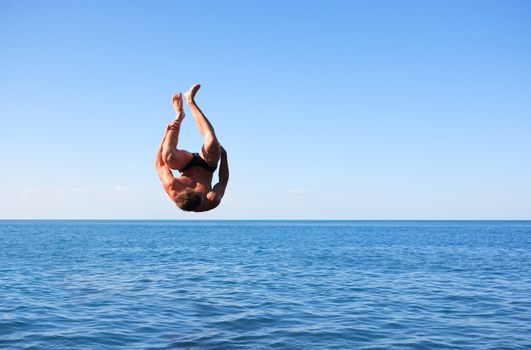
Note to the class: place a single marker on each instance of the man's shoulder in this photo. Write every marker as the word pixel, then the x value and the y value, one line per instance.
pixel 182 182
pixel 209 203
pixel 214 197
pixel 175 186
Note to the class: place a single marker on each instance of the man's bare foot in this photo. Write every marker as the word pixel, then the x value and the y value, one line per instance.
pixel 190 94
pixel 177 102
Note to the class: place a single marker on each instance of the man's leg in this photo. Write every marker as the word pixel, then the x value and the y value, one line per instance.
pixel 210 150
pixel 173 157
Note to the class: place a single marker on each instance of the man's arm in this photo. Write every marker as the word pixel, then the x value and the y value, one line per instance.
pixel 214 197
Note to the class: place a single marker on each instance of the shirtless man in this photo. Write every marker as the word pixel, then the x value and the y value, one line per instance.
pixel 192 191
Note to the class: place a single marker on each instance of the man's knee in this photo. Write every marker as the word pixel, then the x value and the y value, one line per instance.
pixel 176 159
pixel 211 140
pixel 169 157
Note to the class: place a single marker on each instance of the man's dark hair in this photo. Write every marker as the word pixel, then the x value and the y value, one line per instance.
pixel 188 200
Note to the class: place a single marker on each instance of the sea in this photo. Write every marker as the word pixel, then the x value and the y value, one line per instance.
pixel 265 284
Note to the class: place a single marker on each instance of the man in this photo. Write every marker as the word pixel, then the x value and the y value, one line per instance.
pixel 192 191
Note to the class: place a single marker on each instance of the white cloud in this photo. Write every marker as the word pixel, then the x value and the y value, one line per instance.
pixel 299 191
pixel 27 192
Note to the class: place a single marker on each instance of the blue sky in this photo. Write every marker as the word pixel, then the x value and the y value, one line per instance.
pixel 328 110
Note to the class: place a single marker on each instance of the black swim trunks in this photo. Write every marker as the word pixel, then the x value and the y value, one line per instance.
pixel 200 162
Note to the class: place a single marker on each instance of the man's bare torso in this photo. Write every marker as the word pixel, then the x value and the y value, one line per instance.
pixel 197 179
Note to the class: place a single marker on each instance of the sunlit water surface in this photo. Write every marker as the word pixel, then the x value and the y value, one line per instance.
pixel 265 285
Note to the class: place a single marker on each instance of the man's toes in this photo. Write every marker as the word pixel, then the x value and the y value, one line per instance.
pixel 177 98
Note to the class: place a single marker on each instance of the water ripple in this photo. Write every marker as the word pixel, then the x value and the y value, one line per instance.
pixel 265 285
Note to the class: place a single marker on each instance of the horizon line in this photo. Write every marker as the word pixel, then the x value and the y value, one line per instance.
pixel 265 220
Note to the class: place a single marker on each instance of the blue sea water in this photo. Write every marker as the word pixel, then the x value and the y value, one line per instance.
pixel 265 284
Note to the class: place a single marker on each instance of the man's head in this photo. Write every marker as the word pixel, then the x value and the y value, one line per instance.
pixel 189 200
